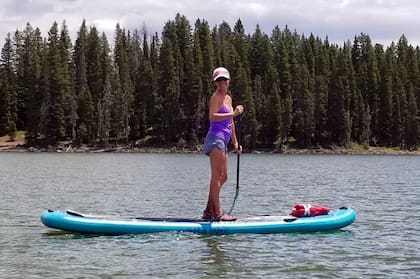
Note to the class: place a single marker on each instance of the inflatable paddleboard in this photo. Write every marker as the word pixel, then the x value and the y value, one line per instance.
pixel 72 221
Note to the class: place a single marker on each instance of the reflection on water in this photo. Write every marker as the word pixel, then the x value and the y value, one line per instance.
pixel 216 261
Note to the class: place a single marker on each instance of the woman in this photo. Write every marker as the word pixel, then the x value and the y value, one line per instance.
pixel 221 131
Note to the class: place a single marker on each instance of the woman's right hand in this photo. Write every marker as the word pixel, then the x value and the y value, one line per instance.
pixel 239 109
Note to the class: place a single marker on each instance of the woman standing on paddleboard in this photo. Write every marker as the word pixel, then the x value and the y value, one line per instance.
pixel 221 131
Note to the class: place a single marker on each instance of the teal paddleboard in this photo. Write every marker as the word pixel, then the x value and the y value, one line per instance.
pixel 72 221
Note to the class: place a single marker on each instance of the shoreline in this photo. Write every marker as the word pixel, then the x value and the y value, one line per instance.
pixel 199 149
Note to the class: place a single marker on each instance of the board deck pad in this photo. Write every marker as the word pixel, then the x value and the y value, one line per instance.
pixel 287 218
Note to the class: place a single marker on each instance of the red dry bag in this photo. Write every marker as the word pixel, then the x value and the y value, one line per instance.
pixel 306 210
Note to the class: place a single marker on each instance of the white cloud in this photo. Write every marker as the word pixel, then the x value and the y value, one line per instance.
pixel 383 20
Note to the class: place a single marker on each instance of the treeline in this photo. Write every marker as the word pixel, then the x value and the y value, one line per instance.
pixel 149 90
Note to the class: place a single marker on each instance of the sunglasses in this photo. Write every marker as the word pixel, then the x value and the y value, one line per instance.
pixel 221 79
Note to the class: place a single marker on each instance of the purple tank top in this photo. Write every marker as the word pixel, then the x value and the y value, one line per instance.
pixel 222 128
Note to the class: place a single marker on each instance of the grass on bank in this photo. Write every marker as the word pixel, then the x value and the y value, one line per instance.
pixel 19 139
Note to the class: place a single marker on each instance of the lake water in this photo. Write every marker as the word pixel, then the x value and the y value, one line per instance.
pixel 384 242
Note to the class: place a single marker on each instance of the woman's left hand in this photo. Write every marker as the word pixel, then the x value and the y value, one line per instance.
pixel 238 148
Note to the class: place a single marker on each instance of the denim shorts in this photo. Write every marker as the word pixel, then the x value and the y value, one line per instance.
pixel 211 142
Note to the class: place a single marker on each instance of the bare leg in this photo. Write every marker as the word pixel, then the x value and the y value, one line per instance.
pixel 218 165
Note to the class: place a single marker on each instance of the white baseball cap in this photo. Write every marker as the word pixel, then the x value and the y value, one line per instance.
pixel 220 72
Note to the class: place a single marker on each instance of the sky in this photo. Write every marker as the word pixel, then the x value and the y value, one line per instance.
pixel 341 20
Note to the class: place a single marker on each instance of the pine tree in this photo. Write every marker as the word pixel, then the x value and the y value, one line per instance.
pixel 385 97
pixel 412 122
pixel 31 84
pixel 321 95
pixel 145 95
pixel 291 43
pixel 338 116
pixel 105 102
pixel 137 119
pixel 417 79
pixel 95 82
pixel 85 113
pixel 203 32
pixel 155 120
pixel 4 104
pixel 404 87
pixel 222 45
pixel 281 60
pixel 242 90
pixel 117 108
pixel 260 55
pixel 354 104
pixel 19 65
pixel 44 94
pixel 66 80
pixel 259 101
pixel 197 102
pixel 8 94
pixel 240 42
pixel 397 110
pixel 55 121
pixel 169 84
pixel 304 110
pixel 121 62
pixel 186 71
pixel 360 115
pixel 247 131
pixel 272 111
pixel 367 76
pixel 267 90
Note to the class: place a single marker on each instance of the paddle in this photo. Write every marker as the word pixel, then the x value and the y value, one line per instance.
pixel 237 166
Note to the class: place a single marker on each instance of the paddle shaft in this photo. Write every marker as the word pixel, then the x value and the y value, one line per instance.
pixel 237 166
pixel 238 138
pixel 237 170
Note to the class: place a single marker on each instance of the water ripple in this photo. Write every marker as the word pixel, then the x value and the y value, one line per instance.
pixel 382 243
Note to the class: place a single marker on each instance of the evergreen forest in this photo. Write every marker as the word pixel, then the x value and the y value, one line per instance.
pixel 145 89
